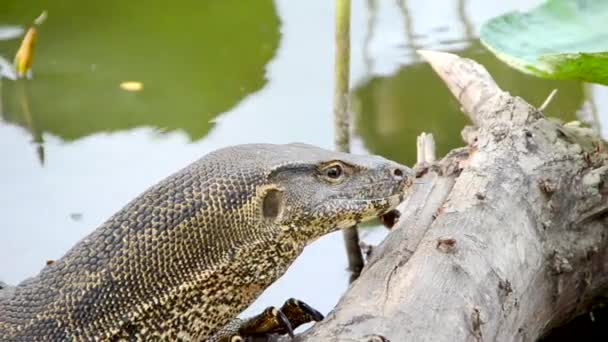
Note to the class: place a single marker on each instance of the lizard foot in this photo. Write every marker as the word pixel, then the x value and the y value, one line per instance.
pixel 271 321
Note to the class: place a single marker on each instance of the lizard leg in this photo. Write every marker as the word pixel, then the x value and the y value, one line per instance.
pixel 271 321
pixel 298 313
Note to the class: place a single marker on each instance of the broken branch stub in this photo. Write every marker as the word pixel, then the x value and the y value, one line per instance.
pixel 502 240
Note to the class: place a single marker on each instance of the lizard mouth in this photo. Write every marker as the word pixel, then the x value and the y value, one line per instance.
pixel 366 209
pixel 390 216
pixel 383 206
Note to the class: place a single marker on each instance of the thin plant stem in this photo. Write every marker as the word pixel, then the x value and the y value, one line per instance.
pixel 342 119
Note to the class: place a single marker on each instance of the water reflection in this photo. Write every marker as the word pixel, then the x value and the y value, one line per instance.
pixel 393 110
pixel 29 123
pixel 195 60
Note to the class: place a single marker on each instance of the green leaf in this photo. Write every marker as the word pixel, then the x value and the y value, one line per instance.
pixel 561 39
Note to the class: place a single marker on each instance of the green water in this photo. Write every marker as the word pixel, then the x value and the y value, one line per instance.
pixel 195 61
pixel 75 147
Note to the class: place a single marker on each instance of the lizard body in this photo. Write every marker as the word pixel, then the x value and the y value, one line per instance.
pixel 186 256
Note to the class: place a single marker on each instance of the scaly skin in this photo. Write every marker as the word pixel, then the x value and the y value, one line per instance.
pixel 190 253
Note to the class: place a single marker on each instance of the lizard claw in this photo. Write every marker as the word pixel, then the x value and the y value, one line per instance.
pixel 300 313
pixel 291 315
pixel 283 320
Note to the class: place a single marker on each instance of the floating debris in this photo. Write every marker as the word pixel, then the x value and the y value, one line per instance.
pixel 76 216
pixel 41 18
pixel 25 54
pixel 132 86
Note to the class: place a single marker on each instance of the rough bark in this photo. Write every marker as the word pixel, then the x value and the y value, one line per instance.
pixel 501 240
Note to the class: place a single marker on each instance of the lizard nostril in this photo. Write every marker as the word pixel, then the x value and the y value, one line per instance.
pixel 398 173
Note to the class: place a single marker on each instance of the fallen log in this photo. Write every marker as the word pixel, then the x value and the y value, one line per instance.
pixel 501 240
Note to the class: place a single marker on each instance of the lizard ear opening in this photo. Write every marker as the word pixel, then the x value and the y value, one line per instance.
pixel 272 206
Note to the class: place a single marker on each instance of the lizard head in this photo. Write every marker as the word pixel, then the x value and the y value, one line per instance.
pixel 311 191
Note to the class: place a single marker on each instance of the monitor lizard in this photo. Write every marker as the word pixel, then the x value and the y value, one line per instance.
pixel 183 259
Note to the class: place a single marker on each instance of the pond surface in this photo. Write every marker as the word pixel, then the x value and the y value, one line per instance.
pixel 75 147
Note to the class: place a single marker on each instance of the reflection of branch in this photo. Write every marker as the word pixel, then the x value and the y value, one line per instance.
pixel 408 26
pixel 594 119
pixel 372 9
pixel 29 121
pixel 469 32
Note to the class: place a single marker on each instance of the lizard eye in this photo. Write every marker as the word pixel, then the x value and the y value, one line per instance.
pixel 333 172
